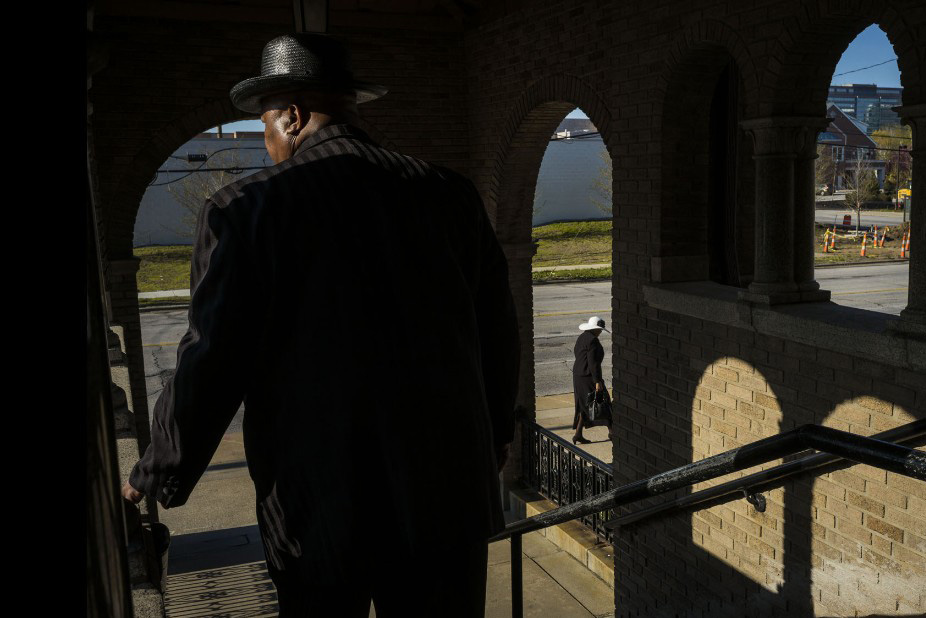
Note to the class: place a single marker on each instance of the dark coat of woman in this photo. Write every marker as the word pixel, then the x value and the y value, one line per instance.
pixel 585 374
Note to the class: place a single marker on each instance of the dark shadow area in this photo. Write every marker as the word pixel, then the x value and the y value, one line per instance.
pixel 214 549
pixel 227 466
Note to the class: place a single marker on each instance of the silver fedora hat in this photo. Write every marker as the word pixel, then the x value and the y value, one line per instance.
pixel 301 61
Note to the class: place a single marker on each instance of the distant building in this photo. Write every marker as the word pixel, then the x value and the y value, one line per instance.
pixel 867 102
pixel 849 140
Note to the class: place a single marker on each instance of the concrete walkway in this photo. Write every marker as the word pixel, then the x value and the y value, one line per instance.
pixel 216 565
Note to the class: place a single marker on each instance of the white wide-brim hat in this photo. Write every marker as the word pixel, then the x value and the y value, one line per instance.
pixel 594 322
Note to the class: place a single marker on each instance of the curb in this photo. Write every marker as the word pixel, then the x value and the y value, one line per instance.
pixel 548 282
pixel 573 537
pixel 163 307
pixel 874 263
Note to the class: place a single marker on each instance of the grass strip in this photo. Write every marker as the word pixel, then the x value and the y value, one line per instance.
pixel 580 274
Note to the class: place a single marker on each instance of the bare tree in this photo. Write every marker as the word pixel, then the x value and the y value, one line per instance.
pixel 895 143
pixel 858 178
pixel 602 196
pixel 825 166
pixel 192 191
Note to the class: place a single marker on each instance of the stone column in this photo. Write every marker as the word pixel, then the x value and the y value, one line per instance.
pixel 913 318
pixel 804 213
pixel 784 148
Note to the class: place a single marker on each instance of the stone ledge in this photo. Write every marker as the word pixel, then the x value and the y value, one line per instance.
pixel 572 537
pixel 858 332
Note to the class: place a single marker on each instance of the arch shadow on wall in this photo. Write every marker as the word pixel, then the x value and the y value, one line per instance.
pixel 790 531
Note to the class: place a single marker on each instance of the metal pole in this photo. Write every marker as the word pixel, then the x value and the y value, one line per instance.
pixel 517 581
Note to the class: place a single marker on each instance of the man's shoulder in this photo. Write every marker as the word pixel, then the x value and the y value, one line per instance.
pixel 245 188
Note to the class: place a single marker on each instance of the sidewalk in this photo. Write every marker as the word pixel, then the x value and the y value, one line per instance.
pixel 216 565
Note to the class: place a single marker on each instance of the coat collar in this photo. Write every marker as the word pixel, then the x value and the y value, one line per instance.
pixel 330 132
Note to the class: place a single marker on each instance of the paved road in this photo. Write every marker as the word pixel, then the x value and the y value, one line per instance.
pixel 881 219
pixel 558 311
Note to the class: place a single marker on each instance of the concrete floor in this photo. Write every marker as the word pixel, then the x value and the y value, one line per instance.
pixel 216 565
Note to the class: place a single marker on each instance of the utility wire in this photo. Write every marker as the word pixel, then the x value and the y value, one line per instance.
pixel 863 68
pixel 232 170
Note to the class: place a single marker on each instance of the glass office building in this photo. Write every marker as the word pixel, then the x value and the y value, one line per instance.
pixel 868 102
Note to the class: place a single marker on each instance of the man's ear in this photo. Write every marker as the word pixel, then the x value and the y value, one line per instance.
pixel 298 118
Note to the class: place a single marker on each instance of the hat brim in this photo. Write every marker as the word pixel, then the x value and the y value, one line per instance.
pixel 248 94
pixel 587 326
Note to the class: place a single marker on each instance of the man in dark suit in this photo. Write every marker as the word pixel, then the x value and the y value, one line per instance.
pixel 374 442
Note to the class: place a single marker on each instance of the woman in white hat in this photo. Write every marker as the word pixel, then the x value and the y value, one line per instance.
pixel 586 374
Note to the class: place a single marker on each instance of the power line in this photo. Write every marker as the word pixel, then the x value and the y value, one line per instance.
pixel 863 68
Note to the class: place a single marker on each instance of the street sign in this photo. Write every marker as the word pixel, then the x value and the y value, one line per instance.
pixel 847 220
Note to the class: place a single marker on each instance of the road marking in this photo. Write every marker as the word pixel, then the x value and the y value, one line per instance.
pixel 869 291
pixel 591 311
pixel 162 344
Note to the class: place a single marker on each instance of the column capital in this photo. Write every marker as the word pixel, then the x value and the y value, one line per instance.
pixel 914 116
pixel 128 266
pixel 519 250
pixel 917 111
pixel 785 136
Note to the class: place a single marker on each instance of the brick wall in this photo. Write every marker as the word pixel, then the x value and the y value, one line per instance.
pixel 686 387
pixel 484 101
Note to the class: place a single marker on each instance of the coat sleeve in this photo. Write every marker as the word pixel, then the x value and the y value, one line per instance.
pixel 595 356
pixel 198 403
pixel 498 330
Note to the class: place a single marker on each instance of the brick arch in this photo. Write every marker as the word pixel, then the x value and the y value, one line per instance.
pixel 688 48
pixel 801 63
pixel 693 65
pixel 132 185
pixel 131 188
pixel 509 194
pixel 524 136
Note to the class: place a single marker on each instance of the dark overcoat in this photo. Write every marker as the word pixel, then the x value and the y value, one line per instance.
pixel 586 372
pixel 357 301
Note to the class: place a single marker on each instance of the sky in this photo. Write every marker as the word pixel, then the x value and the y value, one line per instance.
pixel 870 47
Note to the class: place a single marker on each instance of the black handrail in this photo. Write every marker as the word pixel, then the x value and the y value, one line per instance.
pixel 762 481
pixel 860 449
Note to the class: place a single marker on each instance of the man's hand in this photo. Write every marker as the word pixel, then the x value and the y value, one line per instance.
pixel 501 455
pixel 597 387
pixel 131 494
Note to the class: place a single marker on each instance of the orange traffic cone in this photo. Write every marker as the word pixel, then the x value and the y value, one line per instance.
pixel 864 242
pixel 903 246
pixel 883 236
pixel 833 239
pixel 908 243
pixel 826 241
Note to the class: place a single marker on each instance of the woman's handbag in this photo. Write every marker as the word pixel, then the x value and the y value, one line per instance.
pixel 598 410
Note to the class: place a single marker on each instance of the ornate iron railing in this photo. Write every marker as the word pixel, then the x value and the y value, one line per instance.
pixel 565 474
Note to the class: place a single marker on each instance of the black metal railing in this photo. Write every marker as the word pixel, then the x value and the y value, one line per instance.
pixel 753 485
pixel 859 449
pixel 565 474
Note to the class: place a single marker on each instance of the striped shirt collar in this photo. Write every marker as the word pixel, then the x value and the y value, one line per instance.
pixel 333 131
